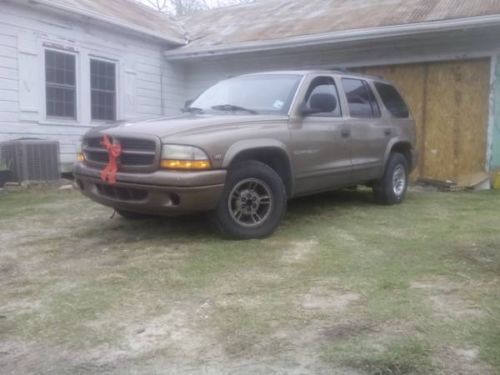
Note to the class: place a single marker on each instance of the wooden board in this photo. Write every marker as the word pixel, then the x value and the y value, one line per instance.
pixel 449 101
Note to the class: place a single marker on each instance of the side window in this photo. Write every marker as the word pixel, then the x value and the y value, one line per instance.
pixel 60 84
pixel 362 102
pixel 392 100
pixel 103 90
pixel 323 96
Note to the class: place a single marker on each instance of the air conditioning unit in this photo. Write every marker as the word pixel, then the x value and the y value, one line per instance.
pixel 32 160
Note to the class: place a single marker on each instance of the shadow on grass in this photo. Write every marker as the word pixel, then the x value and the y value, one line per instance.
pixel 335 199
pixel 203 227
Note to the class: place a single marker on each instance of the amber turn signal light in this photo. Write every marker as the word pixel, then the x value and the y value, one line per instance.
pixel 80 156
pixel 186 165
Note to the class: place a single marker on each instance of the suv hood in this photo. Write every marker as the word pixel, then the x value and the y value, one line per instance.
pixel 183 125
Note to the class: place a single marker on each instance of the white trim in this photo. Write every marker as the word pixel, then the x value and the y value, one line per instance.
pixel 336 37
pixel 491 114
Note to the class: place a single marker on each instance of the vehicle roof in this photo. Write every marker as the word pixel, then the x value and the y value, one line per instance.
pixel 338 72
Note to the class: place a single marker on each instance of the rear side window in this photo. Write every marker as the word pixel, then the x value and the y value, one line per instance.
pixel 392 100
pixel 362 102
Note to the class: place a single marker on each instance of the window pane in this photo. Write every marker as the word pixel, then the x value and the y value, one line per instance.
pixel 393 100
pixel 60 84
pixel 103 90
pixel 60 68
pixel 60 102
pixel 324 87
pixel 362 102
pixel 60 81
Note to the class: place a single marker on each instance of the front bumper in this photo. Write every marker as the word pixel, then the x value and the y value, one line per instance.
pixel 168 193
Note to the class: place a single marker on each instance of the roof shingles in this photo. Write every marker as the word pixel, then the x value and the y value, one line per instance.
pixel 268 20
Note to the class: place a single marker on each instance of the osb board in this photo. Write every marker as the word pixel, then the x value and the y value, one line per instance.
pixel 456 118
pixel 449 101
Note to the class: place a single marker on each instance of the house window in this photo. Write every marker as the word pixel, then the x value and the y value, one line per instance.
pixel 60 84
pixel 103 90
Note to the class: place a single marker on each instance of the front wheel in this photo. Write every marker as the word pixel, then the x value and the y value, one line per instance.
pixel 391 189
pixel 253 203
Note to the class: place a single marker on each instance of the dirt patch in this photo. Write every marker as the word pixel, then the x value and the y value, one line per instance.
pixel 446 298
pixel 347 330
pixel 462 361
pixel 299 251
pixel 326 297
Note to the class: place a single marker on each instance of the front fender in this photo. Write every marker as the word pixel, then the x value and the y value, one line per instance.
pixel 253 144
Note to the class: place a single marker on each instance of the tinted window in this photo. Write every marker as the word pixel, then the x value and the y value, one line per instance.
pixel 362 102
pixel 392 100
pixel 103 90
pixel 60 84
pixel 324 87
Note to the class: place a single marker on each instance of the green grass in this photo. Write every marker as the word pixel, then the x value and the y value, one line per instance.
pixel 419 284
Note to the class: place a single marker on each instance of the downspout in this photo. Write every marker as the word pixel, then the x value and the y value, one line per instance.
pixel 491 114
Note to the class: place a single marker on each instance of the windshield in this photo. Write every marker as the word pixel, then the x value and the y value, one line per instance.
pixel 257 93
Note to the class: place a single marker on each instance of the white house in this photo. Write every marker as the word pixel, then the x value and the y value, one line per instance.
pixel 67 65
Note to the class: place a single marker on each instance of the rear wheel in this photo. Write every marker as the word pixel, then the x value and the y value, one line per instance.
pixel 391 189
pixel 253 203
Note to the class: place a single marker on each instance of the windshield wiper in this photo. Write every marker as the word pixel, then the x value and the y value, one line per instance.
pixel 233 108
pixel 192 110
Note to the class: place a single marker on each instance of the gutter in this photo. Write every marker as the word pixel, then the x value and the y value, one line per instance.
pixel 336 37
pixel 106 19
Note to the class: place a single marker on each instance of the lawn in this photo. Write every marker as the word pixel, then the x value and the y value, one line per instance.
pixel 344 287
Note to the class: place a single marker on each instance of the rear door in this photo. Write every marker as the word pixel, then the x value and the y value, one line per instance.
pixel 370 133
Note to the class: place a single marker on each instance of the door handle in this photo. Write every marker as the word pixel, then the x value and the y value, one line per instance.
pixel 388 132
pixel 346 133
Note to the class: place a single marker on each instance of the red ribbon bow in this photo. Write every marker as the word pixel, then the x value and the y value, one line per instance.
pixel 114 151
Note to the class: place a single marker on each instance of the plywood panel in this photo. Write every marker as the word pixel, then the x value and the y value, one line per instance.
pixel 449 101
pixel 456 120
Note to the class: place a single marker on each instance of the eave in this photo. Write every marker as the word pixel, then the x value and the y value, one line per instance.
pixel 337 37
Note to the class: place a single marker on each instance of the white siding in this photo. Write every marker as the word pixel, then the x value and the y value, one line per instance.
pixel 143 76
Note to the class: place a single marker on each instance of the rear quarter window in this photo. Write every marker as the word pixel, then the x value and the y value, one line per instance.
pixel 392 100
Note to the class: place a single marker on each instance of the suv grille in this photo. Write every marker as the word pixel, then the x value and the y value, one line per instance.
pixel 137 154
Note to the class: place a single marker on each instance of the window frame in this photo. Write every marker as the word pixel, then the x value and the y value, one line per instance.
pixel 115 63
pixel 367 86
pixel 55 118
pixel 310 89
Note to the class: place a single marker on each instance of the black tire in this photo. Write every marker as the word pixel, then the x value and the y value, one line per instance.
pixel 231 204
pixel 388 190
pixel 133 216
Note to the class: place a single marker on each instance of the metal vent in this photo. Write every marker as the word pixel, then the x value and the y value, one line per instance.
pixel 32 160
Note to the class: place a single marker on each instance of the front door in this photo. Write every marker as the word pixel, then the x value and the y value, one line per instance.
pixel 321 140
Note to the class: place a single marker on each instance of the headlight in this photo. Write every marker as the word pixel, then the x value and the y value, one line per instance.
pixel 184 158
pixel 80 156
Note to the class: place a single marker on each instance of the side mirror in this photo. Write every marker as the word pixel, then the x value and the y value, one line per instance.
pixel 319 103
pixel 306 111
pixel 188 103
